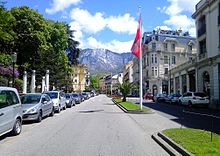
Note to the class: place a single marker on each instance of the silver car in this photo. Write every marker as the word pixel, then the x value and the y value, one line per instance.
pixel 77 98
pixel 36 106
pixel 59 100
pixel 10 111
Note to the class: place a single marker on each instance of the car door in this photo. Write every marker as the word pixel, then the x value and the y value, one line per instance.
pixel 44 104
pixel 62 99
pixel 9 107
pixel 49 104
pixel 183 99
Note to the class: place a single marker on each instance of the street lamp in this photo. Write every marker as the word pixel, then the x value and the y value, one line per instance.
pixel 14 59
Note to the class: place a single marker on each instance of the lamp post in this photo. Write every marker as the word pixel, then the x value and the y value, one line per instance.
pixel 14 59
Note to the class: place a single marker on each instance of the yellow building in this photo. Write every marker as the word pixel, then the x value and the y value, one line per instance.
pixel 79 77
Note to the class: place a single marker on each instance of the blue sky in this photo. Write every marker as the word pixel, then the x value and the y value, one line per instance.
pixel 112 24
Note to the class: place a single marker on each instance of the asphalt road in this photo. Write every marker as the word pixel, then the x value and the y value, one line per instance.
pixel 195 117
pixel 95 127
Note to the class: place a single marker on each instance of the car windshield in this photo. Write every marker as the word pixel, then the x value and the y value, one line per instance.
pixel 200 94
pixel 30 99
pixel 67 96
pixel 84 94
pixel 75 95
pixel 52 95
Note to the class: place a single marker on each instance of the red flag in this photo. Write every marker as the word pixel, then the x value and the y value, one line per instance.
pixel 135 49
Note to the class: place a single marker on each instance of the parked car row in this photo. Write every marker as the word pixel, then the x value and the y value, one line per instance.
pixel 188 98
pixel 33 106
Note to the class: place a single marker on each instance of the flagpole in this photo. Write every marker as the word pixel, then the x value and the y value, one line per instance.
pixel 140 69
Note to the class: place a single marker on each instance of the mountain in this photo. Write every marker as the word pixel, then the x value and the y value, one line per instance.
pixel 104 61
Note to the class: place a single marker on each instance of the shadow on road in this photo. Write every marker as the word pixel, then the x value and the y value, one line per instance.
pixel 194 120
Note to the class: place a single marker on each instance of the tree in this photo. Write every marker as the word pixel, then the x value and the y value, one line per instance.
pixel 72 50
pixel 94 82
pixel 125 89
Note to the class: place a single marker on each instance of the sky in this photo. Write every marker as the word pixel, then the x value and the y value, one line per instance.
pixel 113 24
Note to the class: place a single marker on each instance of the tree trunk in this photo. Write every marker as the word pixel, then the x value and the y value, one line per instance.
pixel 124 99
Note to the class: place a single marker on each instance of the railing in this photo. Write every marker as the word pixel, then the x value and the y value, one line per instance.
pixel 202 55
pixel 202 30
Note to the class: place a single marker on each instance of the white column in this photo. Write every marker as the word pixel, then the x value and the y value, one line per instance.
pixel 187 82
pixel 174 84
pixel 25 82
pixel 43 87
pixel 181 85
pixel 33 81
pixel 47 80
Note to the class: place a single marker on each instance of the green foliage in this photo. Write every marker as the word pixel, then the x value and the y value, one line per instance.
pixel 94 82
pixel 40 44
pixel 195 141
pixel 125 89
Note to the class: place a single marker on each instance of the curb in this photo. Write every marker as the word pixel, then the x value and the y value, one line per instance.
pixel 176 146
pixel 169 145
pixel 165 146
pixel 131 111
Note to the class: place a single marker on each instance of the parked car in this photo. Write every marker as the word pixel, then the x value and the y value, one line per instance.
pixel 92 94
pixel 172 98
pixel 10 111
pixel 77 98
pixel 36 106
pixel 85 95
pixel 69 100
pixel 59 100
pixel 194 98
pixel 160 97
pixel 148 96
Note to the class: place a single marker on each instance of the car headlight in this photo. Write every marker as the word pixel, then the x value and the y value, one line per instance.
pixel 33 110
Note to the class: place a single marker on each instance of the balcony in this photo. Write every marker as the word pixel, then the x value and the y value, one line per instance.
pixel 202 56
pixel 202 30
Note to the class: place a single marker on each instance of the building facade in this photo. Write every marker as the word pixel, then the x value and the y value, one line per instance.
pixel 162 51
pixel 128 72
pixel 203 73
pixel 79 77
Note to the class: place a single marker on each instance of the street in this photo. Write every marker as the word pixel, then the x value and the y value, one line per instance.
pixel 176 113
pixel 94 127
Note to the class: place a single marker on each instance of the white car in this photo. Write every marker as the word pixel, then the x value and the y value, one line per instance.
pixel 194 98
pixel 59 100
pixel 10 111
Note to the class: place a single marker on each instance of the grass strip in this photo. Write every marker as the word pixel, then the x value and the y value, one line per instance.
pixel 131 106
pixel 197 142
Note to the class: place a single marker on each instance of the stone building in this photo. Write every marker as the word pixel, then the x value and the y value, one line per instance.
pixel 162 51
pixel 203 73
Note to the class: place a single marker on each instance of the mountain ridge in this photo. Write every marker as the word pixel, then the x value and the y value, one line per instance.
pixel 104 61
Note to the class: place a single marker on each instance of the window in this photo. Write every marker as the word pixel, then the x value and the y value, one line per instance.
pixel 152 58
pixel 165 71
pixel 152 72
pixel 202 46
pixel 173 47
pixel 173 59
pixel 153 46
pixel 155 71
pixel 190 48
pixel 155 58
pixel 8 98
pixel 166 60
pixel 165 46
pixel 75 80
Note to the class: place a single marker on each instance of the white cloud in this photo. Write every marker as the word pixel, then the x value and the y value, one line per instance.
pixel 113 45
pixel 122 24
pixel 180 21
pixel 60 5
pixel 88 22
pixel 177 18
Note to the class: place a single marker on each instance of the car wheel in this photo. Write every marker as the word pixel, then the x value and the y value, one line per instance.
pixel 52 112
pixel 58 110
pixel 71 104
pixel 39 118
pixel 64 108
pixel 17 127
pixel 190 104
